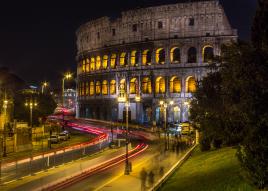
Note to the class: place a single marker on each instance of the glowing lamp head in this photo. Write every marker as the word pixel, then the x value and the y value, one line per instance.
pixel 45 84
pixel 161 102
pixel 68 76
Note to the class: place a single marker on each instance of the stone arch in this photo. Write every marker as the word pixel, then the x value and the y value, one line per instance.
pixel 92 64
pixel 98 63
pixel 175 85
pixel 175 55
pixel 123 59
pixel 160 85
pixel 112 87
pixel 105 61
pixel 133 86
pixel 160 56
pixel 134 58
pixel 104 87
pixel 207 54
pixel 192 55
pixel 146 57
pixel 146 85
pixel 91 88
pixel 113 61
pixel 98 87
pixel 190 84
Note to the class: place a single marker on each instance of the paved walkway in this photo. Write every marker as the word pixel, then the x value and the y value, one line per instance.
pixel 156 164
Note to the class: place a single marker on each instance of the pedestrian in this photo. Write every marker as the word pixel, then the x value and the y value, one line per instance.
pixel 151 178
pixel 161 171
pixel 143 177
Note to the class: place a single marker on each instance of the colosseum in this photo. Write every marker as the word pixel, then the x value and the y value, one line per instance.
pixel 146 57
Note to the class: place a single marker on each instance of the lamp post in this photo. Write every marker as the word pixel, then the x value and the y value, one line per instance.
pixel 67 76
pixel 5 103
pixel 44 85
pixel 31 104
pixel 125 99
pixel 164 106
pixel 127 139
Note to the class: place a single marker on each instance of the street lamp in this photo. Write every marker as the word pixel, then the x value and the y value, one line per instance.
pixel 67 76
pixel 44 85
pixel 125 99
pixel 164 105
pixel 5 103
pixel 31 104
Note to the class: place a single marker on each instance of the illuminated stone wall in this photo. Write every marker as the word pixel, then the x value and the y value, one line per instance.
pixel 155 53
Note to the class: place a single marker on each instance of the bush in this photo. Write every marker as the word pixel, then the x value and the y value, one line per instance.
pixel 217 143
pixel 205 144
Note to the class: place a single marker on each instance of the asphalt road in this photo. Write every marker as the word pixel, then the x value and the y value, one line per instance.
pixel 17 171
pixel 104 179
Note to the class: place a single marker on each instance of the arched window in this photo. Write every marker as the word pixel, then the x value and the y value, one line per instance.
pixel 208 54
pixel 134 58
pixel 175 85
pixel 146 85
pixel 104 87
pixel 190 84
pixel 87 65
pixel 160 56
pixel 112 87
pixel 160 86
pixel 87 88
pixel 84 66
pixel 113 61
pixel 98 63
pixel 146 57
pixel 175 55
pixel 192 57
pixel 91 88
pixel 98 88
pixel 80 67
pixel 133 86
pixel 105 62
pixel 123 59
pixel 83 88
pixel 92 64
pixel 122 88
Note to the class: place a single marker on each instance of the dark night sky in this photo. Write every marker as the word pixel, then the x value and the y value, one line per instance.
pixel 37 38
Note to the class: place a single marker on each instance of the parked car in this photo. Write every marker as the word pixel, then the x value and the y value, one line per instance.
pixel 67 133
pixel 53 139
pixel 63 136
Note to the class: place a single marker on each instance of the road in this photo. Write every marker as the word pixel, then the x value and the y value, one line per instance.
pixel 18 169
pixel 101 180
pixel 109 171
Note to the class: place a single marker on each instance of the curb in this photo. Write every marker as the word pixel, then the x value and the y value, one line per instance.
pixel 172 170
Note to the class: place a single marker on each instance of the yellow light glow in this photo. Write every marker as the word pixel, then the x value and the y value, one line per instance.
pixel 68 76
pixel 161 102
pixel 121 99
pixel 137 98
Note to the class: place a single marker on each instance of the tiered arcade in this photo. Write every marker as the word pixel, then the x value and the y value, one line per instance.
pixel 148 55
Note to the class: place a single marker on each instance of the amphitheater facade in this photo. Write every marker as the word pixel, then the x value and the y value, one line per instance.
pixel 145 56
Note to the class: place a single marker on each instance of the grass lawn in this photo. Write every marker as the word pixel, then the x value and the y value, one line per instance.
pixel 217 170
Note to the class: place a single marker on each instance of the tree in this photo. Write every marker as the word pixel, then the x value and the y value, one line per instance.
pixel 233 101
pixel 45 106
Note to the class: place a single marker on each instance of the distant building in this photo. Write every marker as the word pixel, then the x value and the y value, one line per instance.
pixel 150 54
pixel 70 98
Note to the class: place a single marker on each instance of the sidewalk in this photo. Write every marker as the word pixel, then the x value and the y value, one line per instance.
pixel 157 163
